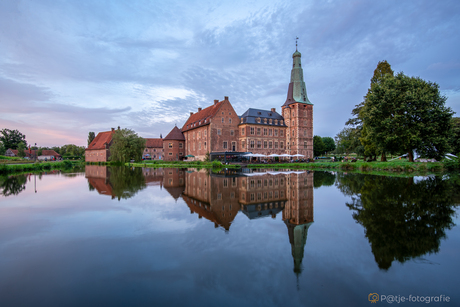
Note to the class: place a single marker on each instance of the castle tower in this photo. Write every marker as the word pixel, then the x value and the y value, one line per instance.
pixel 298 113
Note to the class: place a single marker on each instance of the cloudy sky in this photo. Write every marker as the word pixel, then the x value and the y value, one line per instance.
pixel 69 67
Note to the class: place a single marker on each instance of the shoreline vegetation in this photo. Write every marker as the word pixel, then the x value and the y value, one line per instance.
pixel 387 168
pixel 18 167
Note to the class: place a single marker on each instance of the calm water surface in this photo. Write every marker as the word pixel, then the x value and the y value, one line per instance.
pixel 174 237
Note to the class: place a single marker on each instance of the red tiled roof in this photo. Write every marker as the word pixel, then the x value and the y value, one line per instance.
pixel 175 134
pixel 100 140
pixel 158 143
pixel 202 117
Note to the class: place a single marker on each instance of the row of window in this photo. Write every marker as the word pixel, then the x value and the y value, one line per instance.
pixel 170 145
pixel 266 144
pixel 266 121
pixel 265 131
pixel 205 132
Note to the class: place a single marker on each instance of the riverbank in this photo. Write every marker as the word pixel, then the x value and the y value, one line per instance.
pixel 364 166
pixel 6 169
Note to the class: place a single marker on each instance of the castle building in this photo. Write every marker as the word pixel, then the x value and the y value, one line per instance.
pixel 262 132
pixel 213 129
pixel 217 129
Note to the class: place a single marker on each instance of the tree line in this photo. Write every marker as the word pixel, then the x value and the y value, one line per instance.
pixel 400 115
pixel 14 139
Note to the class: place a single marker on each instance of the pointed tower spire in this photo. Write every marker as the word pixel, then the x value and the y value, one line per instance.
pixel 297 91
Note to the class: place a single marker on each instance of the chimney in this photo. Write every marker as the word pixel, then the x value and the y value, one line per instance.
pixel 226 98
pixel 215 101
pixel 199 109
pixel 113 129
pixel 191 113
pixel 273 110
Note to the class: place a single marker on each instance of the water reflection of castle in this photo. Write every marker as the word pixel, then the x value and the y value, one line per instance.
pixel 219 197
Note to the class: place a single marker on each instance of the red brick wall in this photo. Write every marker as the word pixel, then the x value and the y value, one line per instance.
pixel 100 155
pixel 173 150
pixel 247 137
pixel 156 153
pixel 197 141
pixel 225 128
pixel 301 131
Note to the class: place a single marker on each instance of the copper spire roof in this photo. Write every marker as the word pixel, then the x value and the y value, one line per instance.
pixel 297 92
pixel 175 134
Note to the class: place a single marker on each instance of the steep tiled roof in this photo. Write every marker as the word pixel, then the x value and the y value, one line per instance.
pixel 175 134
pixel 251 116
pixel 157 143
pixel 202 117
pixel 101 139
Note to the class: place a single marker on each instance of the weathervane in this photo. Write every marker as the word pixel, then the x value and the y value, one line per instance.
pixel 296 38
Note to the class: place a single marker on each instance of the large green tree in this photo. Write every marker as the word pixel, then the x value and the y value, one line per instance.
pixel 329 144
pixel 126 145
pixel 367 147
pixel 318 146
pixel 12 138
pixel 405 114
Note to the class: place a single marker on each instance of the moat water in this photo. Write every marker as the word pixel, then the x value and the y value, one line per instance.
pixel 109 236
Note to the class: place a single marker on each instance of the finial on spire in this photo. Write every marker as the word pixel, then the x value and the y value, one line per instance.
pixel 296 38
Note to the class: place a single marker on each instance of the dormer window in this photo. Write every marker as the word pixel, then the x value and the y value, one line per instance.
pixel 258 120
pixel 241 120
pixel 265 120
pixel 281 122
pixel 258 113
pixel 276 122
pixel 271 121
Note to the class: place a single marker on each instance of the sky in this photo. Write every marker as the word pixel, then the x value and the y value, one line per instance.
pixel 71 67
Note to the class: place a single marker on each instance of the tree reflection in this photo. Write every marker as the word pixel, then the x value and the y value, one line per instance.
pixel 13 185
pixel 403 219
pixel 323 178
pixel 119 182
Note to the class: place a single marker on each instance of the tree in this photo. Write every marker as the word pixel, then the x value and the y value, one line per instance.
pixel 347 141
pixel 318 146
pixel 2 149
pixel 454 140
pixel 367 147
pixel 91 136
pixel 21 148
pixel 405 114
pixel 126 145
pixel 329 144
pixel 12 138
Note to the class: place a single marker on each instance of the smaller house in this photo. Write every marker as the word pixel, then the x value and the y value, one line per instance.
pixel 99 149
pixel 153 149
pixel 174 145
pixel 49 155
